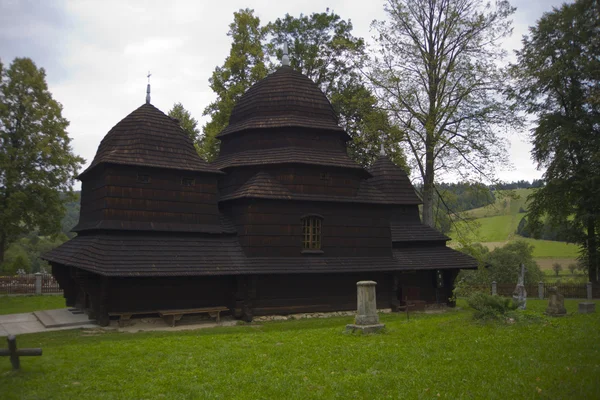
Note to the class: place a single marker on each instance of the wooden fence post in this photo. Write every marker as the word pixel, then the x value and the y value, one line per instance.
pixel 541 290
pixel 38 283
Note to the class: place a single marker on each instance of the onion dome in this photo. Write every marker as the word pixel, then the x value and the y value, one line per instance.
pixel 148 137
pixel 286 98
pixel 393 181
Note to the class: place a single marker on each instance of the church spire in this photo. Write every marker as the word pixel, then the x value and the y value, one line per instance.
pixel 148 88
pixel 285 60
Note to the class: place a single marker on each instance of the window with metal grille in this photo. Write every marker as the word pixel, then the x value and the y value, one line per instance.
pixel 188 181
pixel 311 229
pixel 142 178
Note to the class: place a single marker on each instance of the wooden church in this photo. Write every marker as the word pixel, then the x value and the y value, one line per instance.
pixel 282 222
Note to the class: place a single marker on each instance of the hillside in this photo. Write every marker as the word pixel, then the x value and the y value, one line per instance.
pixel 496 224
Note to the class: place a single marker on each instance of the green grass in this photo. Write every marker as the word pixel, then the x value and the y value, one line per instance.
pixel 431 356
pixel 497 223
pixel 508 202
pixel 24 304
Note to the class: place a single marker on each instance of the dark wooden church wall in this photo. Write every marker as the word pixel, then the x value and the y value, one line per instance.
pixel 284 137
pixel 271 228
pixel 405 214
pixel 117 194
pixel 320 180
pixel 160 293
pixel 421 285
pixel 287 294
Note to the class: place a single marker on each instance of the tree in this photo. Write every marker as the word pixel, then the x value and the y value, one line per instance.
pixel 556 267
pixel 436 73
pixel 323 48
pixel 37 165
pixel 557 78
pixel 186 121
pixel 244 66
pixel 573 268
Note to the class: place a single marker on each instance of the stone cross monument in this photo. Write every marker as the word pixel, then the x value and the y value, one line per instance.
pixel 366 319
pixel 520 294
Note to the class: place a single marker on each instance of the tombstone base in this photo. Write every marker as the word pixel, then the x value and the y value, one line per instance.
pixel 365 328
pixel 587 308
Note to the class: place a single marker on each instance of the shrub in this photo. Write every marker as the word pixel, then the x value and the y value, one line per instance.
pixel 556 267
pixel 573 268
pixel 490 307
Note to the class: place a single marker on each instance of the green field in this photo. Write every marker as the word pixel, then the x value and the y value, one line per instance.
pixel 24 304
pixel 431 356
pixel 496 224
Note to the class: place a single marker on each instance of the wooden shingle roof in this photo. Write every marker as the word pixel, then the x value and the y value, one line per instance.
pixel 433 257
pixel 152 255
pixel 148 137
pixel 415 232
pixel 283 99
pixel 203 255
pixel 265 186
pixel 288 155
pixel 393 181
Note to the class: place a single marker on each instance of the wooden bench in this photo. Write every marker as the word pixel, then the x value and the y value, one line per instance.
pixel 172 316
pixel 125 316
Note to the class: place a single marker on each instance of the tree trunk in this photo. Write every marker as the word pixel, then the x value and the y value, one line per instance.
pixel 428 188
pixel 592 250
pixel 2 248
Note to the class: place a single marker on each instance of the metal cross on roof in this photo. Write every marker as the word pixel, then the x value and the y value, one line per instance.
pixel 148 88
pixel 285 60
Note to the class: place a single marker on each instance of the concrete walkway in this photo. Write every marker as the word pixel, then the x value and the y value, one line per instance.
pixel 18 324
pixel 65 318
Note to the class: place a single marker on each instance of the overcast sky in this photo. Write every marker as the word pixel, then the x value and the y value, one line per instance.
pixel 97 54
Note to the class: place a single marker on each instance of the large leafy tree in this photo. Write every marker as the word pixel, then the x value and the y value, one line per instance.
pixel 436 72
pixel 323 48
pixel 558 81
pixel 188 123
pixel 244 66
pixel 37 165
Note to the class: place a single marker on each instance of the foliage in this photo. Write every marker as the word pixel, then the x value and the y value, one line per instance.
pixel 26 252
pixel 573 268
pixel 324 49
pixel 503 266
pixel 185 120
pixel 244 66
pixel 26 304
pixel 556 267
pixel 545 230
pixel 314 358
pixel 436 73
pixel 490 307
pixel 37 166
pixel 558 80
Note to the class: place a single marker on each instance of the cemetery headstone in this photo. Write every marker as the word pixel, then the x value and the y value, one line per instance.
pixel 366 319
pixel 556 303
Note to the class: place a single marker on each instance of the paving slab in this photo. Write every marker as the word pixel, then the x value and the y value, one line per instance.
pixel 62 317
pixel 16 318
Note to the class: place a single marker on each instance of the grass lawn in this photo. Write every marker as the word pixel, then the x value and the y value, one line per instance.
pixel 23 304
pixel 431 356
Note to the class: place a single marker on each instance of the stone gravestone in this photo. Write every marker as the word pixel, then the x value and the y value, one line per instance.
pixel 556 303
pixel 366 319
pixel 520 294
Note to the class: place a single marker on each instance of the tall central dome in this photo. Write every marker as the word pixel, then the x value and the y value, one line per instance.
pixel 286 98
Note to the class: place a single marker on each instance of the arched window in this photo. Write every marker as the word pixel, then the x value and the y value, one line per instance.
pixel 311 230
